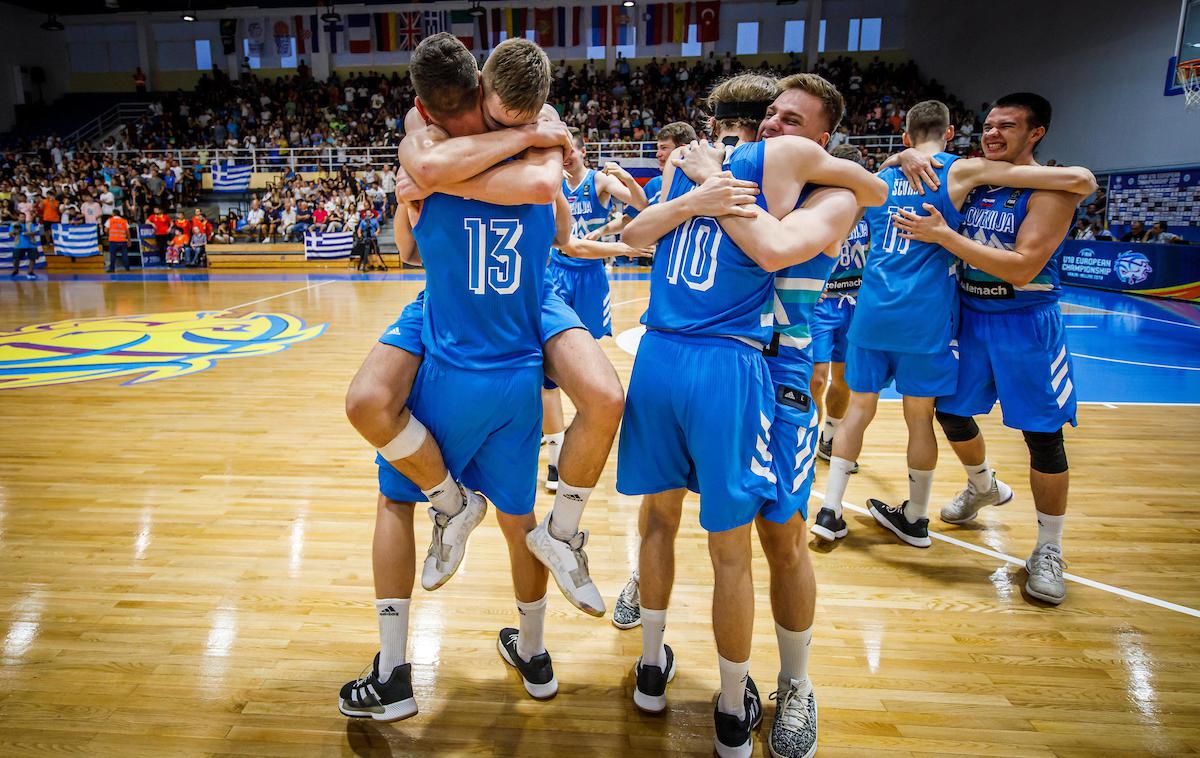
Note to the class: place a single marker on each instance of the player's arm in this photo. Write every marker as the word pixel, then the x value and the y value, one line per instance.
pixel 402 234
pixel 535 179
pixel 562 219
pixel 795 161
pixel 821 224
pixel 616 226
pixel 1050 216
pixel 973 172
pixel 620 184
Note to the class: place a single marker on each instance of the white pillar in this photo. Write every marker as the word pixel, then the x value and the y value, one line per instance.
pixel 812 32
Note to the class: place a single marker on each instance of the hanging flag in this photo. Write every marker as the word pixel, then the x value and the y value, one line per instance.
pixel 708 21
pixel 462 25
pixel 228 35
pixel 325 245
pixel 256 33
pixel 560 26
pixel 520 21
pixel 436 22
pixel 599 25
pixel 358 34
pixel 334 29
pixel 577 25
pixel 681 19
pixel 302 34
pixel 497 25
pixel 385 32
pixel 230 177
pixel 508 23
pixel 485 36
pixel 620 25
pixel 543 25
pixel 282 31
pixel 408 30
pixel 76 241
pixel 314 33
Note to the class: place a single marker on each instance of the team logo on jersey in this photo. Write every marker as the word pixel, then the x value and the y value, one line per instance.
pixel 1132 268
pixel 142 348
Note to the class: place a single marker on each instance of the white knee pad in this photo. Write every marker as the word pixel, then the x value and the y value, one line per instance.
pixel 407 442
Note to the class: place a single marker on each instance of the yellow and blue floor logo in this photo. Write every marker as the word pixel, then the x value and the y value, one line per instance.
pixel 142 348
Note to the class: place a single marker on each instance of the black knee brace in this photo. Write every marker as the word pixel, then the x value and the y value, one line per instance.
pixel 957 428
pixel 1047 454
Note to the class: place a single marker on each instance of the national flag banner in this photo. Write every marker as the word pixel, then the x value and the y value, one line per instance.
pixel 326 245
pixel 281 30
pixel 681 19
pixel 230 177
pixel 314 33
pixel 256 32
pixel 520 21
pixel 508 23
pixel 334 29
pixel 358 33
pixel 436 22
pixel 620 25
pixel 409 30
pixel 577 25
pixel 485 34
pixel 462 25
pixel 599 25
pixel 708 21
pixel 653 19
pixel 560 26
pixel 497 25
pixel 385 32
pixel 8 243
pixel 75 240
pixel 302 34
pixel 543 26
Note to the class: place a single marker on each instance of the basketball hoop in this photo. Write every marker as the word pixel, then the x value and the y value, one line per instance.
pixel 1189 78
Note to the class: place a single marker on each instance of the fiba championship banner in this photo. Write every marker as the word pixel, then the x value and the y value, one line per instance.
pixel 1137 268
pixel 1171 196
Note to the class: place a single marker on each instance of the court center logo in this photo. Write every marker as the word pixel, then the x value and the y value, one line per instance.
pixel 142 348
pixel 1132 268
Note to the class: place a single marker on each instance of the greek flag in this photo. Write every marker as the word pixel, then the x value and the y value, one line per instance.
pixel 229 177
pixel 76 241
pixel 328 244
pixel 8 243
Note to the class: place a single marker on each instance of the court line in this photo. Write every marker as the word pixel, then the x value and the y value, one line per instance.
pixel 1121 592
pixel 1135 363
pixel 1098 311
pixel 627 302
pixel 281 294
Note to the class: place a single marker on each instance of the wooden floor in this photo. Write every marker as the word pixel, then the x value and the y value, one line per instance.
pixel 185 570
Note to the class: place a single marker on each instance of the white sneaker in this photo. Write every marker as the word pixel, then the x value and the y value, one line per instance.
pixel 448 546
pixel 1045 568
pixel 568 564
pixel 967 503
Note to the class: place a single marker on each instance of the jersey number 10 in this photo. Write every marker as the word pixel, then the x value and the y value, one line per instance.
pixel 693 256
pixel 495 262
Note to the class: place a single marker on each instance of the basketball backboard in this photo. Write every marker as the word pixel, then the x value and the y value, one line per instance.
pixel 1187 45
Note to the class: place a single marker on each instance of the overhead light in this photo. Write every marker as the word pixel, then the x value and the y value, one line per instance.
pixel 188 16
pixel 52 24
pixel 331 16
pixel 476 11
pixel 628 3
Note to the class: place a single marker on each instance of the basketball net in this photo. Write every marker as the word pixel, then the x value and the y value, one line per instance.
pixel 1189 79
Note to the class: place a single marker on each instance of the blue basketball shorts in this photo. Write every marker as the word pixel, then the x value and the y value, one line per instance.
pixel 706 428
pixel 793 452
pixel 488 425
pixel 915 374
pixel 585 290
pixel 830 324
pixel 1019 358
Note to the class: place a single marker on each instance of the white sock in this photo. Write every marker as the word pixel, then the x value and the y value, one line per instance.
pixel 835 489
pixel 531 640
pixel 1050 529
pixel 554 446
pixel 830 427
pixel 654 628
pixel 447 497
pixel 793 657
pixel 393 634
pixel 733 687
pixel 569 502
pixel 919 484
pixel 980 476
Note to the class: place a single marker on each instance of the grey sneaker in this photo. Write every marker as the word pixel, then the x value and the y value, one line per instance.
pixel 794 733
pixel 966 504
pixel 627 613
pixel 1045 567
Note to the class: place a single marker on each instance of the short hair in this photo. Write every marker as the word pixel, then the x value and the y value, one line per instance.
pixel 848 152
pixel 742 88
pixel 928 119
pixel 444 75
pixel 518 71
pixel 833 105
pixel 576 136
pixel 677 132
pixel 1037 108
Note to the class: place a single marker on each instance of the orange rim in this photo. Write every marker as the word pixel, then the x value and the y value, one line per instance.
pixel 1189 68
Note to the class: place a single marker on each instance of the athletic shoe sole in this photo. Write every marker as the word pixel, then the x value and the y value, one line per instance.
pixel 1040 596
pixel 968 519
pixel 652 703
pixel 829 535
pixel 394 712
pixel 536 691
pixel 906 539
pixel 551 486
pixel 630 625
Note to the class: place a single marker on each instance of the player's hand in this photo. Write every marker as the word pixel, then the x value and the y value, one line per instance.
pixel 614 169
pixel 701 160
pixel 548 134
pixel 595 234
pixel 918 168
pixel 723 195
pixel 931 228
pixel 408 191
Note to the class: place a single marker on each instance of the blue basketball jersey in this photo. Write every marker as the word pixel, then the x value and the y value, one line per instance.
pixel 485 270
pixel 587 215
pixel 992 217
pixel 701 282
pixel 653 189
pixel 846 277
pixel 908 300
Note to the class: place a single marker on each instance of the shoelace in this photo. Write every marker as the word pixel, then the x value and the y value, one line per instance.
pixel 576 543
pixel 437 547
pixel 1049 562
pixel 630 595
pixel 792 709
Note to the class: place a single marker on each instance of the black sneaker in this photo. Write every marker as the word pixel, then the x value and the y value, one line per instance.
pixel 367 697
pixel 552 478
pixel 829 526
pixel 650 692
pixel 537 674
pixel 824 448
pixel 734 738
pixel 892 518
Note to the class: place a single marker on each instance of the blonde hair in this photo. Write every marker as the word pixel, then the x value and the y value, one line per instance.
pixel 743 88
pixel 833 105
pixel 518 71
